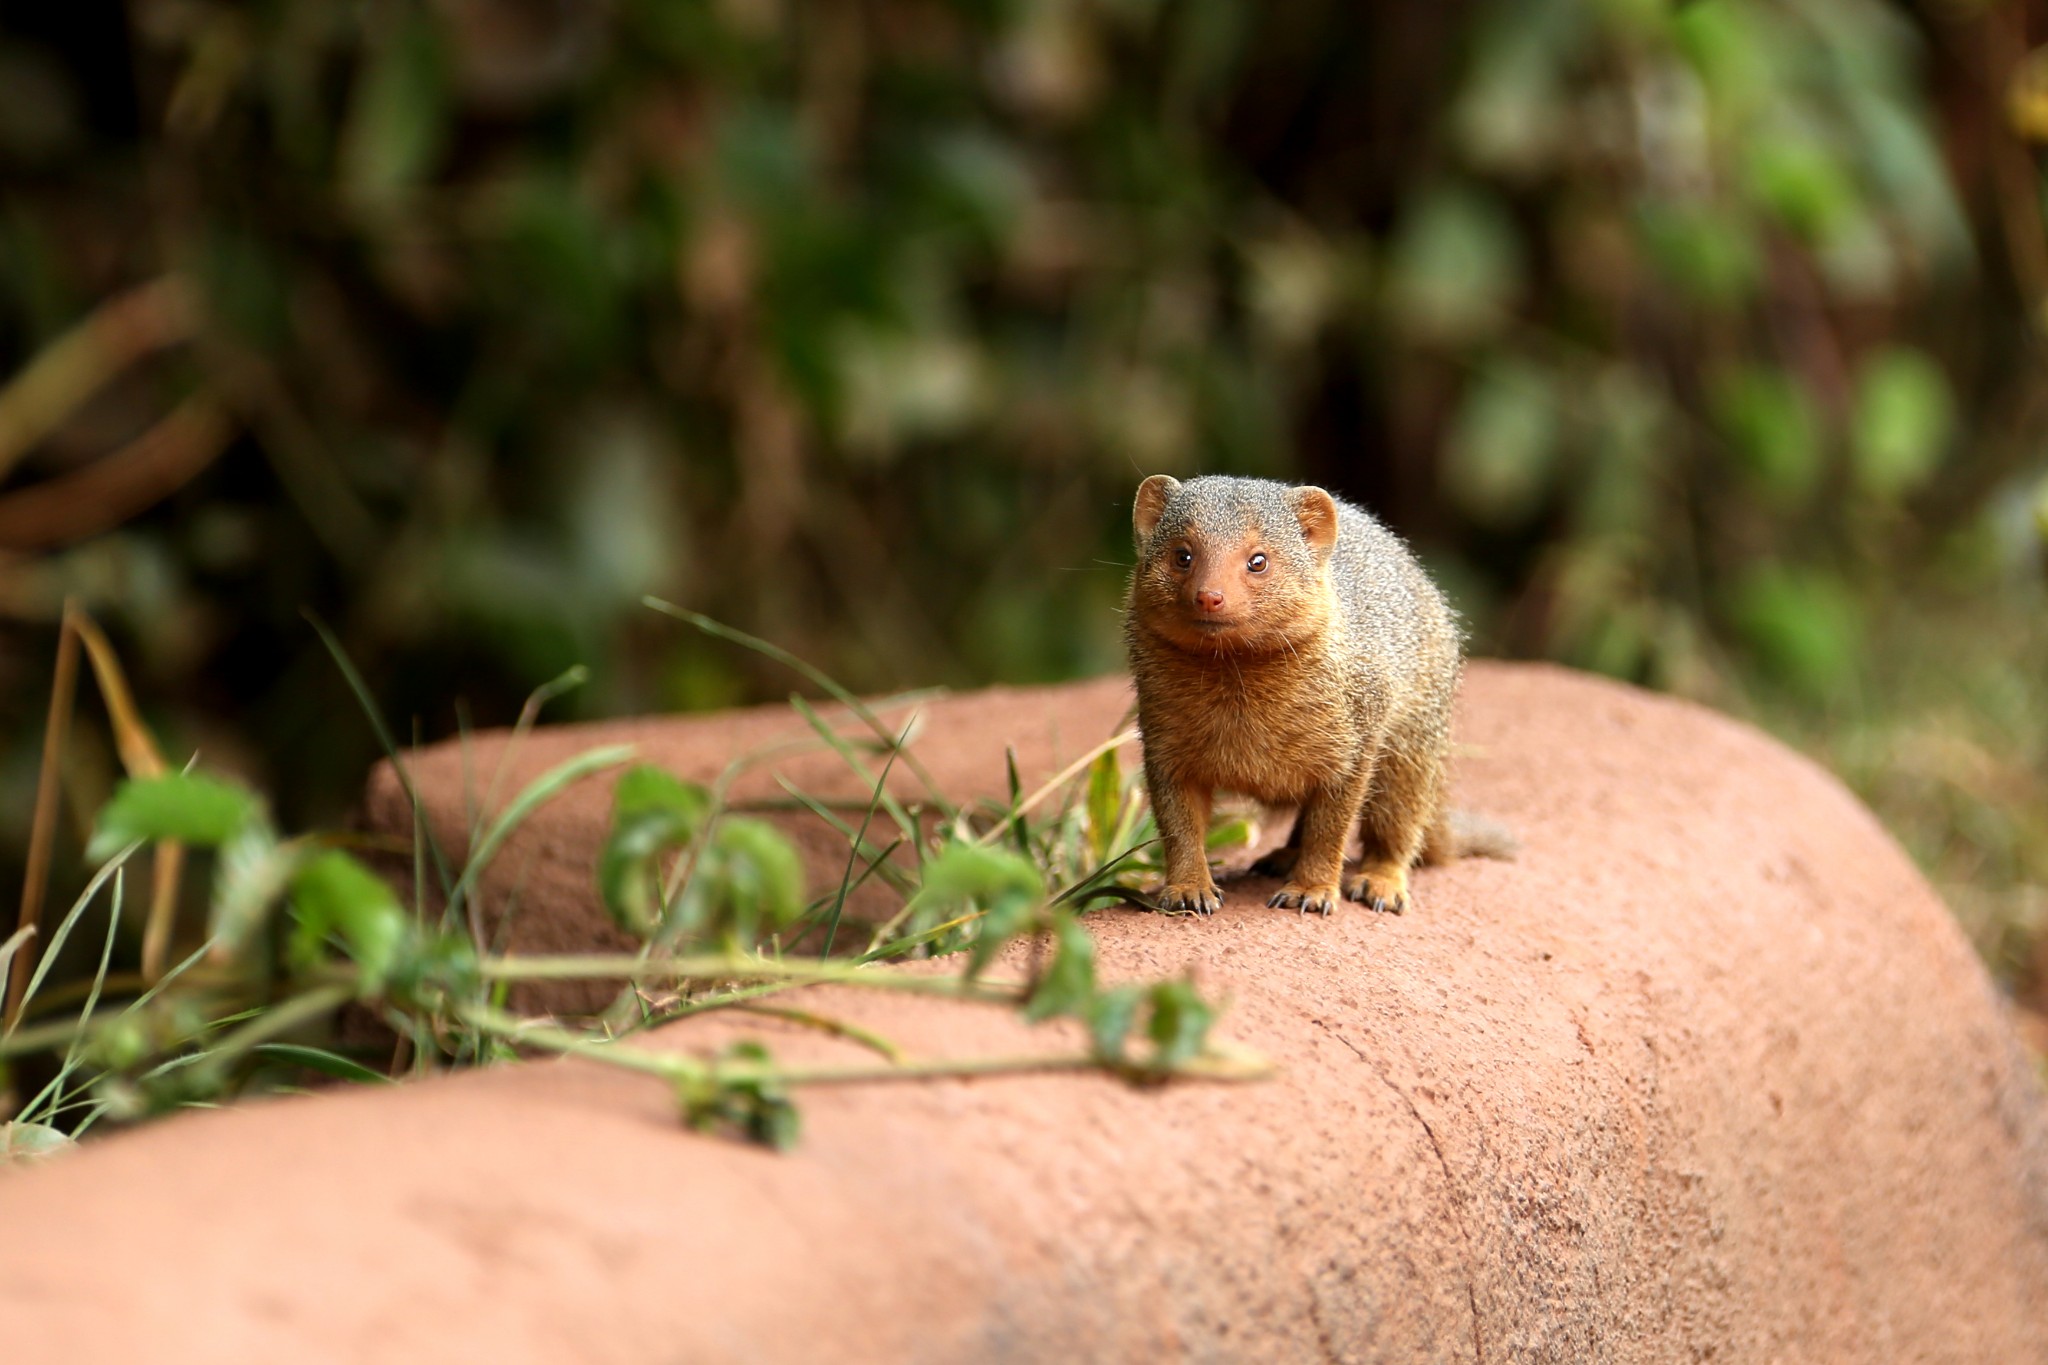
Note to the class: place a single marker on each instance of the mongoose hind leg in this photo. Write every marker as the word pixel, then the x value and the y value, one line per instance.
pixel 1281 860
pixel 1396 819
pixel 1323 824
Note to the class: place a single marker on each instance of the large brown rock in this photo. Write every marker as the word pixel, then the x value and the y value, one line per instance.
pixel 1706 1074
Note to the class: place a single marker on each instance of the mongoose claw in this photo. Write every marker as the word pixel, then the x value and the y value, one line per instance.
pixel 1376 895
pixel 1184 900
pixel 1321 900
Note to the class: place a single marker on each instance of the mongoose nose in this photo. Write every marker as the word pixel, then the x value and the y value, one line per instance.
pixel 1208 599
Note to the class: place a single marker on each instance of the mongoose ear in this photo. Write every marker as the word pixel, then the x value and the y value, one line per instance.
pixel 1151 504
pixel 1317 513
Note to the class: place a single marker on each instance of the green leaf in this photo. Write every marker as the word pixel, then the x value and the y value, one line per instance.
pixel 120 1043
pixel 644 789
pixel 898 385
pixel 764 159
pixel 1804 183
pixel 1225 835
pixel 1105 803
pixel 1897 148
pixel 774 1122
pixel 1514 114
pixel 1734 46
pixel 740 1092
pixel 21 1141
pixel 247 287
pixel 321 1060
pixel 1179 1026
pixel 398 115
pixel 1709 253
pixel 747 881
pixel 1007 888
pixel 435 969
pixel 1299 280
pixel 335 894
pixel 1772 428
pixel 1069 982
pixel 626 530
pixel 980 181
pixel 832 688
pixel 1631 434
pixel 653 813
pixel 186 808
pixel 1804 625
pixel 1456 267
pixel 1904 417
pixel 1500 459
pixel 1109 1017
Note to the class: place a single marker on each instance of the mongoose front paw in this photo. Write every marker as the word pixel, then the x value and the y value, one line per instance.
pixel 1384 889
pixel 1278 863
pixel 1190 898
pixel 1308 899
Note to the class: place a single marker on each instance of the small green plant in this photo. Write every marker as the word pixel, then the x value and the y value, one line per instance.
pixel 299 928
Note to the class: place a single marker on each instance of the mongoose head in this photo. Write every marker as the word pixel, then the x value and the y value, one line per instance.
pixel 1232 565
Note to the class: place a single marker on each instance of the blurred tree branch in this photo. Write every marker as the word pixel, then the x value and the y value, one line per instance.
pixel 72 368
pixel 114 488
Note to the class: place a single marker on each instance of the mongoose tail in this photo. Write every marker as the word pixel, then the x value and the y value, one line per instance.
pixel 1454 834
pixel 1467 834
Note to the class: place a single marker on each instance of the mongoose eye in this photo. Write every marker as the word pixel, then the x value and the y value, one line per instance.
pixel 1257 563
pixel 1183 557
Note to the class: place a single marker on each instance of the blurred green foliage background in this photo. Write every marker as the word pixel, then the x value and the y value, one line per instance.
pixel 1698 344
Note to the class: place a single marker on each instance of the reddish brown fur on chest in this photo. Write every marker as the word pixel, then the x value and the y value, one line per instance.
pixel 1273 727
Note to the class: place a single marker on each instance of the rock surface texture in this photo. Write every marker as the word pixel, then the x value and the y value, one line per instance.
pixel 1707 1074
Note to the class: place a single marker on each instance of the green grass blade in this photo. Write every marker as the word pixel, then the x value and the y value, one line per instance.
pixel 895 877
pixel 873 866
pixel 1019 809
pixel 839 745
pixel 570 679
pixel 321 1060
pixel 97 1108
pixel 106 873
pixel 1020 828
pixel 1104 804
pixel 383 733
pixel 8 949
pixel 472 820
pixel 817 912
pixel 53 1091
pixel 1087 883
pixel 853 847
pixel 537 793
pixel 817 676
pixel 897 948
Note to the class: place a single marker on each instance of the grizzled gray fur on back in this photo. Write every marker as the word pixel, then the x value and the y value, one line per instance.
pixel 1389 605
